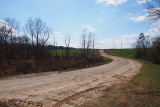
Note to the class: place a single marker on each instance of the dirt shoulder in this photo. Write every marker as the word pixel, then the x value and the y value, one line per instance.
pixel 67 88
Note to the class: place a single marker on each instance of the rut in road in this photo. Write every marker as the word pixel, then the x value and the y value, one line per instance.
pixel 67 88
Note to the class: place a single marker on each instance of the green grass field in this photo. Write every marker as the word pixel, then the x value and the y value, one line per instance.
pixel 149 72
pixel 77 52
pixel 147 81
pixel 62 52
pixel 129 53
pixel 72 52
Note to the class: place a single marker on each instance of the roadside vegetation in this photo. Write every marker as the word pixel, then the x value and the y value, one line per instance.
pixel 142 90
pixel 62 52
pixel 27 50
pixel 128 53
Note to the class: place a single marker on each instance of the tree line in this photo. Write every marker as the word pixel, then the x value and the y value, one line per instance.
pixel 148 48
pixel 14 44
pixel 31 42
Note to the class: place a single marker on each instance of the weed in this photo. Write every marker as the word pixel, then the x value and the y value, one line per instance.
pixel 106 96
pixel 24 68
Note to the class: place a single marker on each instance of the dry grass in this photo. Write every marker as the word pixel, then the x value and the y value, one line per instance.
pixel 53 63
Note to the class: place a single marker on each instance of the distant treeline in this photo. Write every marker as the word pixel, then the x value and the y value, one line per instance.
pixel 27 50
pixel 148 48
pixel 30 43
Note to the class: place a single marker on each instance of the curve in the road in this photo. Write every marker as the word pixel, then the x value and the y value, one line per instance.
pixel 67 88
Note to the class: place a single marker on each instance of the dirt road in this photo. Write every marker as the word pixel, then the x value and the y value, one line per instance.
pixel 65 89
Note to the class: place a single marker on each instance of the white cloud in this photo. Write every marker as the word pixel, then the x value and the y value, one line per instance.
pixel 88 28
pixel 58 34
pixel 154 30
pixel 139 18
pixel 113 2
pixel 126 40
pixel 7 27
pixel 142 1
pixel 114 43
pixel 100 20
pixel 76 44
pixel 106 43
pixel 129 36
pixel 130 14
pixel 3 23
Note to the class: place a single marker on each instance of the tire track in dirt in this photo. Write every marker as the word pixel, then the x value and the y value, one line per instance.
pixel 67 88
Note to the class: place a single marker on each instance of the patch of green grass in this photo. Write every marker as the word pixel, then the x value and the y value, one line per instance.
pixel 129 53
pixel 149 74
pixel 149 77
pixel 72 52
pixel 99 60
pixel 106 61
pixel 106 96
pixel 122 88
pixel 146 81
pixel 62 52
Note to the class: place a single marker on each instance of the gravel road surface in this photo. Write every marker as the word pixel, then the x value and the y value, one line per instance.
pixel 66 89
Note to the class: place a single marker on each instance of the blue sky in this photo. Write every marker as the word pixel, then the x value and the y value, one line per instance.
pixel 113 21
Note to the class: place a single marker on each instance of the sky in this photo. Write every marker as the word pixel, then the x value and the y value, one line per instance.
pixel 112 21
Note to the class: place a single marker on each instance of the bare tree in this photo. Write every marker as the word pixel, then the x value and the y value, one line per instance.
pixel 1 41
pixel 67 41
pixel 155 51
pixel 30 28
pixel 84 43
pixel 26 43
pixel 5 33
pixel 87 40
pixel 13 27
pixel 54 44
pixel 153 9
pixel 39 34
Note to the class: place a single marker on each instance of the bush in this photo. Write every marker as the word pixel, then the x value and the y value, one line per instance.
pixel 24 68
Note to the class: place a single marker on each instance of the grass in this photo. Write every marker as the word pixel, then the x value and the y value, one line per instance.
pixel 149 76
pixel 74 62
pixel 61 52
pixel 147 81
pixel 98 63
pixel 106 61
pixel 72 52
pixel 76 52
pixel 128 53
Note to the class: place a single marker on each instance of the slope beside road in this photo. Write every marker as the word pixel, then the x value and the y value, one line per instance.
pixel 66 89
